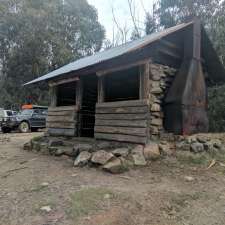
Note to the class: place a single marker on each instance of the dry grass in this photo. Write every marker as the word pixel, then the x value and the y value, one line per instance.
pixel 90 200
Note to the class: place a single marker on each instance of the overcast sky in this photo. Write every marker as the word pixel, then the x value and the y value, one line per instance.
pixel 121 10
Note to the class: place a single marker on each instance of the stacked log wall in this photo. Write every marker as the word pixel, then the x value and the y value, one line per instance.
pixel 125 121
pixel 62 121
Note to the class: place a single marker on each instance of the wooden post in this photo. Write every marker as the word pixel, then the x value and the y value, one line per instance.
pixel 144 81
pixel 53 96
pixel 78 93
pixel 101 89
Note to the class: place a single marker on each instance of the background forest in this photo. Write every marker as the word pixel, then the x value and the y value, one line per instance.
pixel 39 36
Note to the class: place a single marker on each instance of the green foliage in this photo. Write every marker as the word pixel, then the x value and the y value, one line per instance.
pixel 171 12
pixel 38 36
pixel 216 110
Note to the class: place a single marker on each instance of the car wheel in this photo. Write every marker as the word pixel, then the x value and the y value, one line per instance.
pixel 24 127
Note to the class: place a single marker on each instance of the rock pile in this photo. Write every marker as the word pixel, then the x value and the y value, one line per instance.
pixel 114 160
pixel 160 81
pixel 199 144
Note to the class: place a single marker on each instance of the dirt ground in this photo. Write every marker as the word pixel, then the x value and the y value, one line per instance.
pixel 160 194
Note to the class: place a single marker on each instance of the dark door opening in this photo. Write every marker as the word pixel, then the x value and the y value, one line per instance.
pixel 89 100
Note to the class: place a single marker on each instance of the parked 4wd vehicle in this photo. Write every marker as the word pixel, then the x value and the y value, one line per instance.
pixel 32 119
pixel 7 120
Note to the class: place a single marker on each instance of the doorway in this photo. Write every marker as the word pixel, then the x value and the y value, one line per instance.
pixel 88 104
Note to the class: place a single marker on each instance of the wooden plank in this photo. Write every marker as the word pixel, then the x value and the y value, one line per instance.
pixel 122 110
pixel 142 132
pixel 62 132
pixel 69 125
pixel 62 113
pixel 121 138
pixel 122 116
pixel 121 68
pixel 123 103
pixel 62 81
pixel 122 123
pixel 70 118
pixel 63 108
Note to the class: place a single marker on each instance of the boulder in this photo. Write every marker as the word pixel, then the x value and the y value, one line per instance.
pixel 82 159
pixel 156 90
pixel 155 108
pixel 165 149
pixel 156 77
pixel 191 140
pixel 44 148
pixel 82 147
pixel 197 147
pixel 36 146
pixel 137 149
pixel 52 150
pixel 217 143
pixel 101 157
pixel 183 146
pixel 139 159
pixel 70 151
pixel 115 166
pixel 59 152
pixel 55 143
pixel 137 156
pixel 202 139
pixel 124 152
pixel 27 146
pixel 208 146
pixel 156 122
pixel 151 152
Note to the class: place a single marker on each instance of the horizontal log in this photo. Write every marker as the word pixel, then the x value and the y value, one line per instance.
pixel 121 138
pixel 61 113
pixel 122 116
pixel 62 132
pixel 63 108
pixel 65 125
pixel 142 132
pixel 121 123
pixel 122 104
pixel 122 110
pixel 70 118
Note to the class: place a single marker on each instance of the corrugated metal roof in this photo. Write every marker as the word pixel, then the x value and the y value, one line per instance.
pixel 109 54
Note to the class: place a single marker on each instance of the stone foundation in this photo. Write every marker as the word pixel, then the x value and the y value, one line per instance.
pixel 113 157
pixel 117 157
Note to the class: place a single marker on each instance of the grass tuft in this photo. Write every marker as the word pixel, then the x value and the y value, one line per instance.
pixel 90 200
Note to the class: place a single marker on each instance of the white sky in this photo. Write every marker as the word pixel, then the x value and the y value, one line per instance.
pixel 121 10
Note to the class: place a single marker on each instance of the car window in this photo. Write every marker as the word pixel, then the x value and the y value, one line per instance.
pixel 9 113
pixel 44 112
pixel 36 111
pixel 26 112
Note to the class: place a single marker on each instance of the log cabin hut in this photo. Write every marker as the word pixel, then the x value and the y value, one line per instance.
pixel 137 91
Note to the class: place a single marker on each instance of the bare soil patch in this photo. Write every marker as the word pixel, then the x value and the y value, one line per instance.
pixel 159 194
